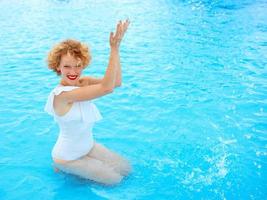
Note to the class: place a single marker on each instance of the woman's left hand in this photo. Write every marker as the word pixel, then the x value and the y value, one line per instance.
pixel 120 31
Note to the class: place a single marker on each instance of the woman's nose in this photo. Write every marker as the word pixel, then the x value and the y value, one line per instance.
pixel 73 69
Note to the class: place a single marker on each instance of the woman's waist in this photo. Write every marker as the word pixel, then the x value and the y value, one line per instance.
pixel 74 140
pixel 74 135
pixel 65 151
pixel 80 128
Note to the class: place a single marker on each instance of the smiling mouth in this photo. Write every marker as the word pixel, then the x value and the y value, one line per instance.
pixel 72 77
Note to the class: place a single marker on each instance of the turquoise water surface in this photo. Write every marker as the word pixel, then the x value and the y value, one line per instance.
pixel 190 115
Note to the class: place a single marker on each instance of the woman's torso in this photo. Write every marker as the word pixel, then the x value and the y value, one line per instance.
pixel 75 122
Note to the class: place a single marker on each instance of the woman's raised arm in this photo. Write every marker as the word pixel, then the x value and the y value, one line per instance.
pixel 108 83
pixel 109 79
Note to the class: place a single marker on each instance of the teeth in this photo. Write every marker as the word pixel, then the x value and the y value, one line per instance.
pixel 72 77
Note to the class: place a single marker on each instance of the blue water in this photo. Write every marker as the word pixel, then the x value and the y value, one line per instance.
pixel 190 115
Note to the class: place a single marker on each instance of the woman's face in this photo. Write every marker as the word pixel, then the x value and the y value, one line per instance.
pixel 71 70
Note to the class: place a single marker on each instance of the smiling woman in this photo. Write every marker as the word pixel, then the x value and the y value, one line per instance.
pixel 79 51
pixel 76 151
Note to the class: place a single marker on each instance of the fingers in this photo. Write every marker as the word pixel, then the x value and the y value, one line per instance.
pixel 125 26
pixel 127 22
pixel 111 35
pixel 121 28
pixel 118 29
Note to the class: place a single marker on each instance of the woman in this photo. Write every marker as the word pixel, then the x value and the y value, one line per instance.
pixel 75 151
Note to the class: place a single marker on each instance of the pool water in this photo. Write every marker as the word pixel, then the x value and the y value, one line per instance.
pixel 190 115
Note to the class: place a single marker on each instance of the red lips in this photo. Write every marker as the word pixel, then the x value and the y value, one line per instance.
pixel 72 77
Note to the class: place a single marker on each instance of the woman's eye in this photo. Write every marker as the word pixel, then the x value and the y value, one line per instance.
pixel 66 66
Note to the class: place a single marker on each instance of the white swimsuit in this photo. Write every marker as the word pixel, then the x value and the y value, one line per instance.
pixel 75 138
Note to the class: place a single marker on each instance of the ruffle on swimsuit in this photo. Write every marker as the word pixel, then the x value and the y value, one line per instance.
pixel 87 111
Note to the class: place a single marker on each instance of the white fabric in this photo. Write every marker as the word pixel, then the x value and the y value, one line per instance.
pixel 75 138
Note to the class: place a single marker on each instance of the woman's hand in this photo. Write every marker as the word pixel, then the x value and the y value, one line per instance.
pixel 116 38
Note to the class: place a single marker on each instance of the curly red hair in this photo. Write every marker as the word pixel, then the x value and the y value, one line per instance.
pixel 73 47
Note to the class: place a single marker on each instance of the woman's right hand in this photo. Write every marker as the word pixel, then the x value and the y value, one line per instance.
pixel 116 38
